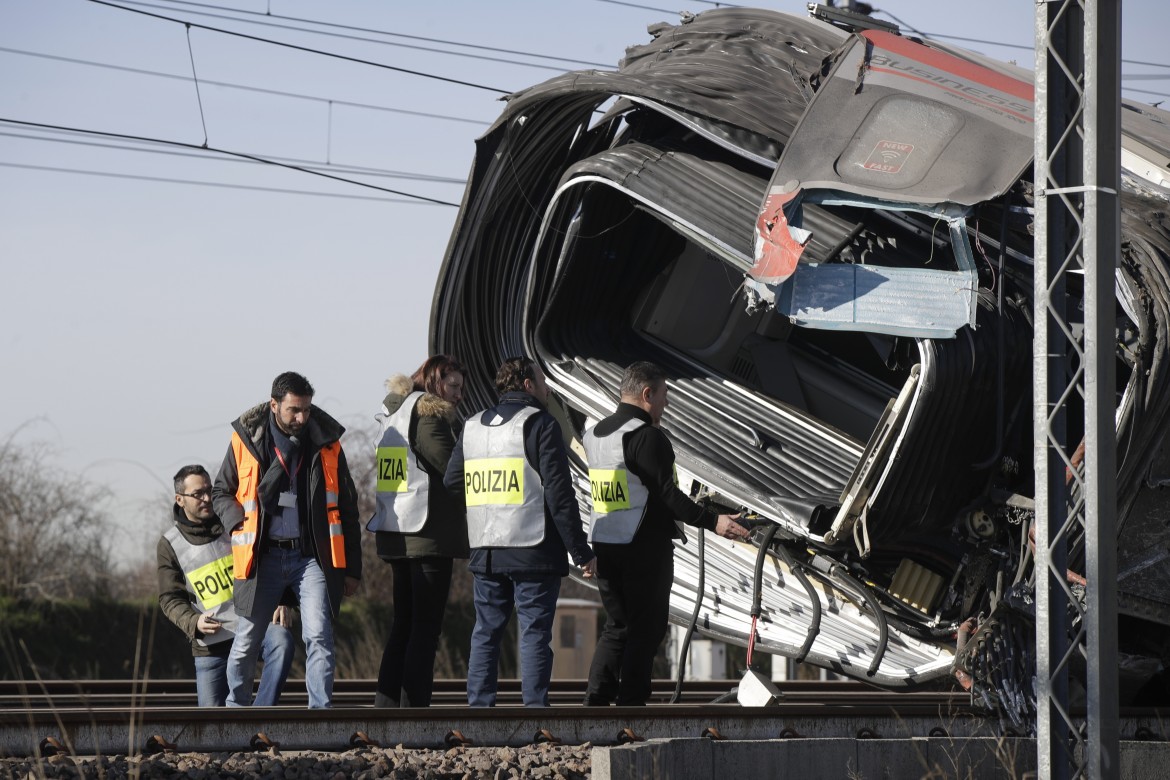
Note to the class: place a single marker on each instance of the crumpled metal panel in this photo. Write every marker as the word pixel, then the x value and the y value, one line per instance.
pixel 559 193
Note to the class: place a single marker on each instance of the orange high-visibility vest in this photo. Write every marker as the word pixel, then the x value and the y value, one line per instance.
pixel 245 537
pixel 329 455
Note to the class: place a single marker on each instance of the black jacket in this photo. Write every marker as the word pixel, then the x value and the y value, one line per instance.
pixel 650 456
pixel 544 447
pixel 252 426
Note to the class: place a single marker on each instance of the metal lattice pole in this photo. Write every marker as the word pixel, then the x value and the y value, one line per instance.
pixel 1077 176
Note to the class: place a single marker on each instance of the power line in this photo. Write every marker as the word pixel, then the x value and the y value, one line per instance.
pixel 310 164
pixel 307 49
pixel 166 180
pixel 227 152
pixel 643 7
pixel 230 85
pixel 355 28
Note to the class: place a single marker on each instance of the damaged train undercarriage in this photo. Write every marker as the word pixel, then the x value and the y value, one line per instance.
pixel 824 235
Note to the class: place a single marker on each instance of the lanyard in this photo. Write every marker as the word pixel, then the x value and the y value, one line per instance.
pixel 292 475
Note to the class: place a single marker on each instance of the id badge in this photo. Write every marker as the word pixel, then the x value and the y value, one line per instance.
pixel 288 500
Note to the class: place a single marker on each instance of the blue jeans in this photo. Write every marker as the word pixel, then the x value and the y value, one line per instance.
pixel 277 654
pixel 277 570
pixel 535 601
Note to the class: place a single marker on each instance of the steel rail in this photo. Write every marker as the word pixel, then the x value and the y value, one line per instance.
pixel 125 694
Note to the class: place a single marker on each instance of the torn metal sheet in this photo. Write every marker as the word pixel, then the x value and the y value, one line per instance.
pixel 862 387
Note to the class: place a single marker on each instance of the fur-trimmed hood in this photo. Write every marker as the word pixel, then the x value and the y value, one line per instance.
pixel 399 386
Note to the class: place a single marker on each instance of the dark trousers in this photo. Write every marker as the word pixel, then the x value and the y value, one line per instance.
pixel 407 673
pixel 634 581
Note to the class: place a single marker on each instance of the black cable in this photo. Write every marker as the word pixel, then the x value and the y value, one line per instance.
pixel 244 155
pixel 202 154
pixel 307 49
pixel 643 7
pixel 847 582
pixel 245 87
pixel 357 28
pixel 195 78
pixel 684 650
pixel 814 627
pixel 225 185
pixel 758 586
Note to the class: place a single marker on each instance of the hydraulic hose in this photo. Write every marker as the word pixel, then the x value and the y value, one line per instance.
pixel 814 627
pixel 757 587
pixel 684 651
pixel 878 616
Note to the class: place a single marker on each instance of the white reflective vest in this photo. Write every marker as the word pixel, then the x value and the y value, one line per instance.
pixel 505 497
pixel 208 572
pixel 403 484
pixel 619 496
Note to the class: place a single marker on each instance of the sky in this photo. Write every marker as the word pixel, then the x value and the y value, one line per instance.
pixel 151 291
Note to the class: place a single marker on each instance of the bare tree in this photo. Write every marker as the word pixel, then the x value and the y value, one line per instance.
pixel 53 528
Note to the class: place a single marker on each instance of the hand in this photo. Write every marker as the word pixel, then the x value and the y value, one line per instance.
pixel 589 568
pixel 351 585
pixel 282 617
pixel 207 624
pixel 727 527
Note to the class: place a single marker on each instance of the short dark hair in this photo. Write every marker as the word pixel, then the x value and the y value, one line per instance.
pixel 433 371
pixel 291 382
pixel 513 371
pixel 194 470
pixel 640 375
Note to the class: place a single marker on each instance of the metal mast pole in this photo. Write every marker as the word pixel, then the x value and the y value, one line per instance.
pixel 1077 178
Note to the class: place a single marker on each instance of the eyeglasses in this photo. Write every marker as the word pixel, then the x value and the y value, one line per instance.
pixel 198 495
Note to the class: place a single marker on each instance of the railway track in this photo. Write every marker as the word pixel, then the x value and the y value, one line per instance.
pixel 125 694
pixel 126 717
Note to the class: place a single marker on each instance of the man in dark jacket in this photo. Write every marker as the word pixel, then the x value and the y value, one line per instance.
pixel 285 491
pixel 195 593
pixel 512 470
pixel 632 526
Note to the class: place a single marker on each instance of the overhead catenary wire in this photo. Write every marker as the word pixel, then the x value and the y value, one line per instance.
pixel 202 154
pixel 245 87
pixel 306 49
pixel 268 15
pixel 231 153
pixel 196 182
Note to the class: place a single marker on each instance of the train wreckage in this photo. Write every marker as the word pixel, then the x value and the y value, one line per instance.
pixel 824 235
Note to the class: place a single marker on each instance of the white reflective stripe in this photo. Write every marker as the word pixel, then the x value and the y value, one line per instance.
pixel 330 498
pixel 335 529
pixel 250 506
pixel 607 453
pixel 243 539
pixel 504 525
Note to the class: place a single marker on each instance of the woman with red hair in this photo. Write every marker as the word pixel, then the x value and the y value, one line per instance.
pixel 419 529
